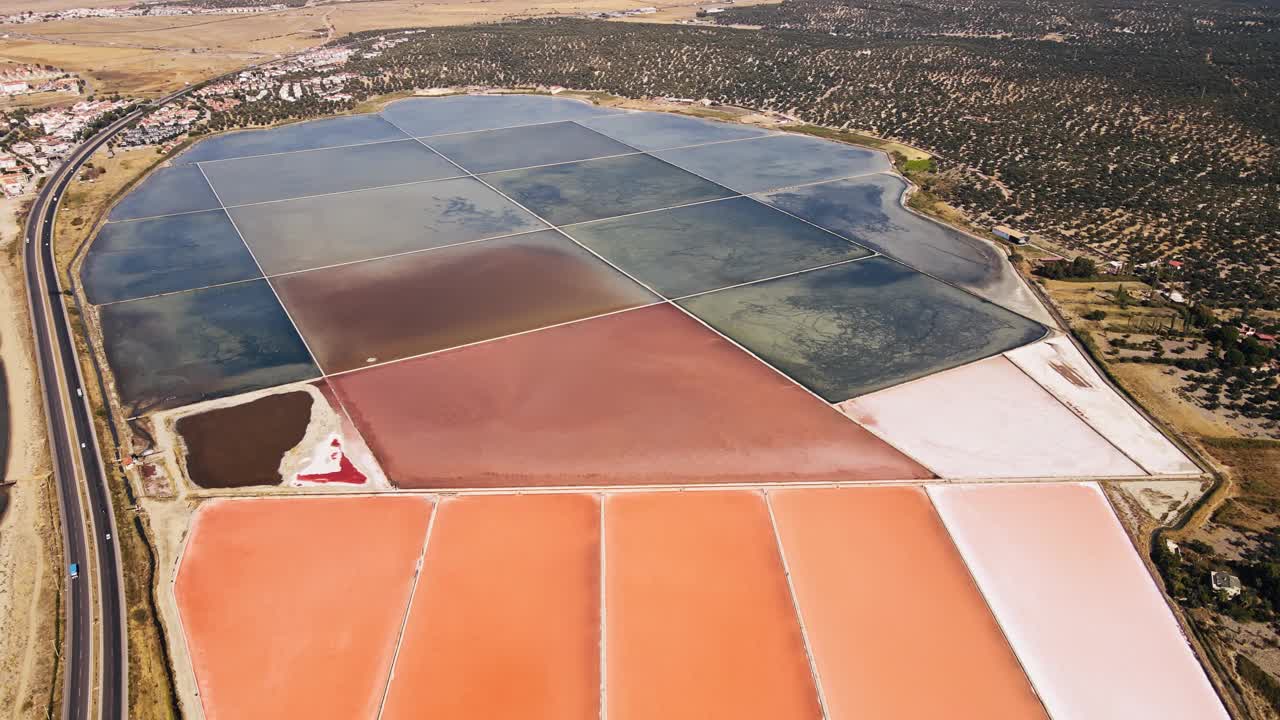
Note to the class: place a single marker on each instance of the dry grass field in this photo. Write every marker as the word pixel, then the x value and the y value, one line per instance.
pixel 1078 298
pixel 151 56
pixel 35 100
pixel 253 35
pixel 132 71
pixel 378 14
pixel 375 14
pixel 8 7
pixel 1157 390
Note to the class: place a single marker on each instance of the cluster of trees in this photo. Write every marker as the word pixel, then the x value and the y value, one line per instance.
pixel 1235 350
pixel 1261 570
pixel 1228 369
pixel 1216 57
pixel 272 109
pixel 1140 23
pixel 1225 386
pixel 104 120
pixel 1078 269
pixel 1235 374
pixel 1186 575
pixel 1120 137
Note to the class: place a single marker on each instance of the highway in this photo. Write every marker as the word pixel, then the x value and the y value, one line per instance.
pixel 74 449
pixel 73 439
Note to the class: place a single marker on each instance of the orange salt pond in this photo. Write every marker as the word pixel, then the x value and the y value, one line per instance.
pixel 292 607
pixel 1076 602
pixel 699 622
pixel 896 625
pixel 505 622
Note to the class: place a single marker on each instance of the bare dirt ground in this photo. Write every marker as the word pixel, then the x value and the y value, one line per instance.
pixel 30 582
pixel 1261 644
pixel 1158 391
pixel 1164 500
pixel 30 568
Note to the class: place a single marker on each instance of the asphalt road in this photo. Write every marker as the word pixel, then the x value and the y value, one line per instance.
pixel 72 439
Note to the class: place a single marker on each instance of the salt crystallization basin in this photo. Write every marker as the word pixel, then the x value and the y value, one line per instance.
pixel 623 347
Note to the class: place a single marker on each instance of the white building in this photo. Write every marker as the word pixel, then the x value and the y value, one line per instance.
pixel 13 185
pixel 1017 237
pixel 1225 583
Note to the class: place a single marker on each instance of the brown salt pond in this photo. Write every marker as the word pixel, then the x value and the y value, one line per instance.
pixel 699 622
pixel 897 627
pixel 641 397
pixel 505 622
pixel 291 607
pixel 1076 602
pixel 410 304
pixel 242 445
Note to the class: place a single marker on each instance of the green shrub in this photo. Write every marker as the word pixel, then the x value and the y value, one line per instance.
pixel 914 166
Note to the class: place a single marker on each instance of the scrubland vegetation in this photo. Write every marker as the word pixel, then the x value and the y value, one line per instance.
pixel 1136 134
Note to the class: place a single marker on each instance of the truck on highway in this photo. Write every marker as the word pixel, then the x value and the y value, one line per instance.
pixel 75 570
